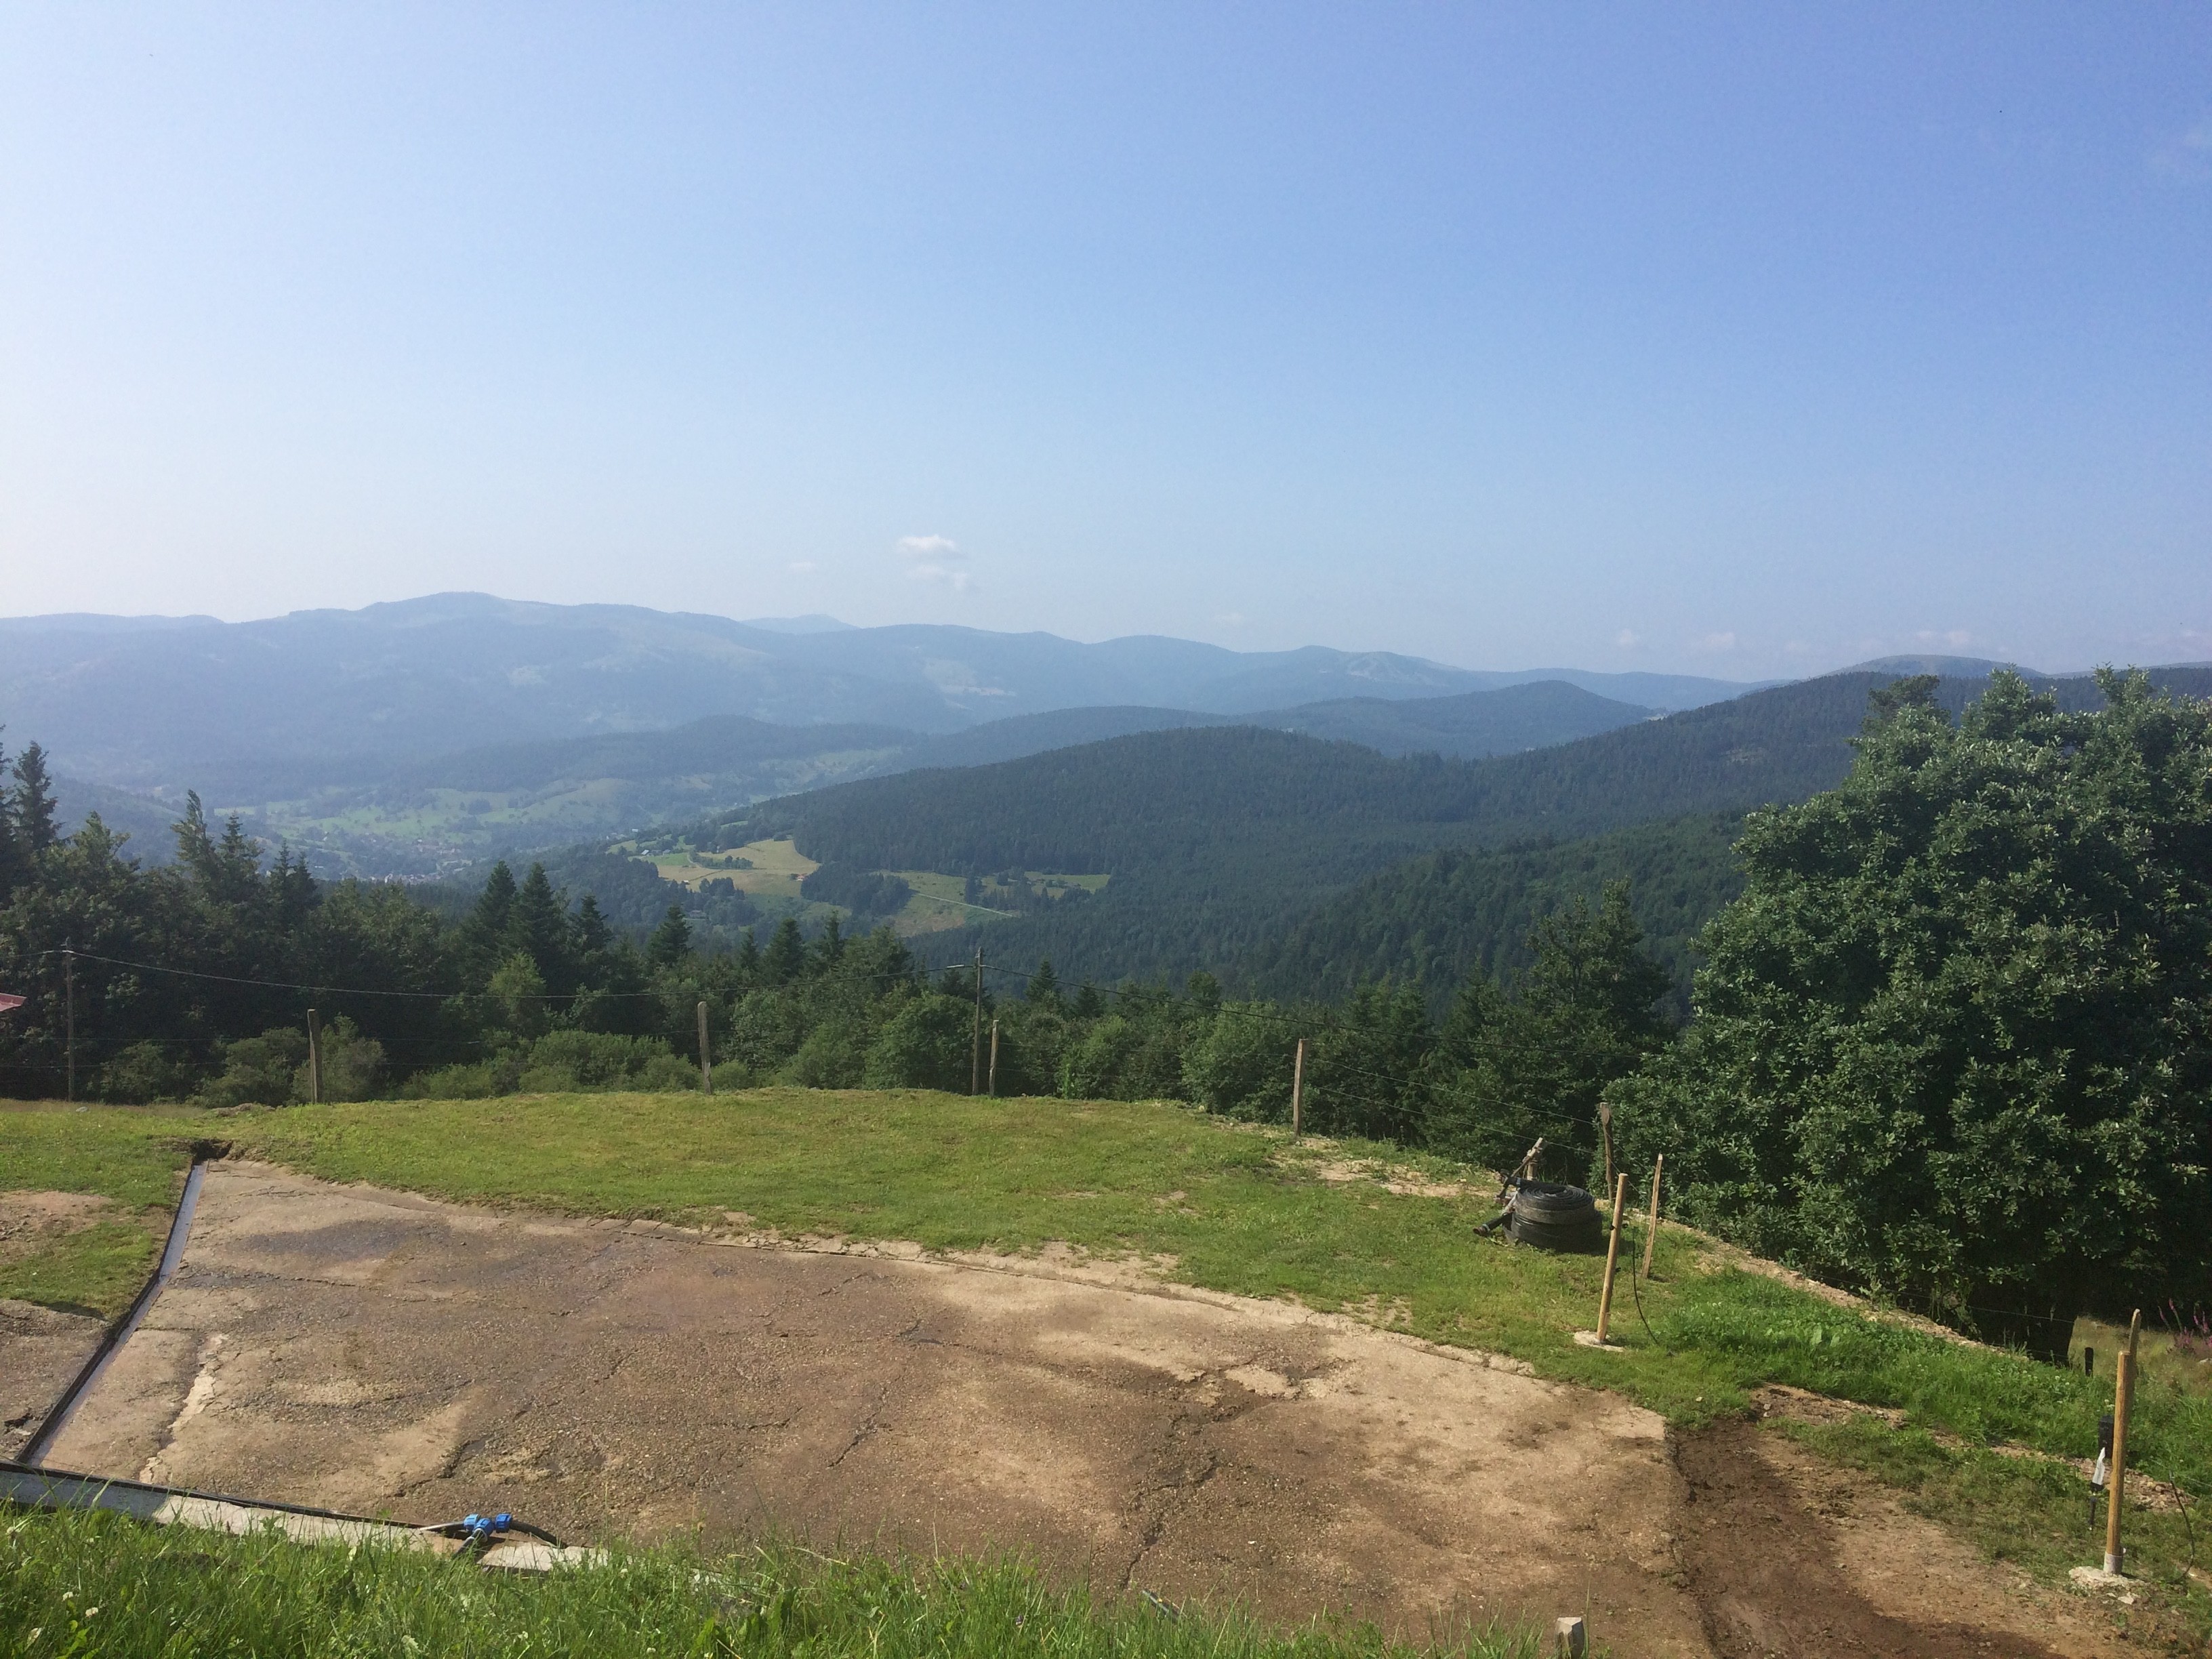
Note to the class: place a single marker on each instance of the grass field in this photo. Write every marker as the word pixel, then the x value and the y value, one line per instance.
pixel 90 1583
pixel 772 869
pixel 1242 1210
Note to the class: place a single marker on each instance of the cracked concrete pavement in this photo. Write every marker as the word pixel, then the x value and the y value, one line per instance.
pixel 380 1352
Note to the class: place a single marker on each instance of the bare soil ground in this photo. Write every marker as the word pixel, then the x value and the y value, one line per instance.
pixel 1787 1554
pixel 376 1352
pixel 41 1350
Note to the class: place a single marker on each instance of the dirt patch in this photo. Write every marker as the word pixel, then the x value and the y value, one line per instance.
pixel 375 1351
pixel 30 1222
pixel 380 1352
pixel 41 1350
pixel 1390 1177
pixel 1789 1555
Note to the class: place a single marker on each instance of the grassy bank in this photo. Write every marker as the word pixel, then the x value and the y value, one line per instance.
pixel 91 1584
pixel 94 1262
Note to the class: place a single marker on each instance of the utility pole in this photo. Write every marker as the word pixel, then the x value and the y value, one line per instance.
pixel 975 1046
pixel 69 1018
pixel 1299 1089
pixel 994 1060
pixel 705 1061
pixel 314 1056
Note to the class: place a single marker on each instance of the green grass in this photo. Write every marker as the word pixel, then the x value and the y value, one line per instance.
pixel 94 1270
pixel 136 1160
pixel 94 1584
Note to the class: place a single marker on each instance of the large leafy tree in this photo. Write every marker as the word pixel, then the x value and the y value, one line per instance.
pixel 1953 1044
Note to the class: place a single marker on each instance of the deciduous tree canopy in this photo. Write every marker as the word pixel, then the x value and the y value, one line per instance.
pixel 1954 1043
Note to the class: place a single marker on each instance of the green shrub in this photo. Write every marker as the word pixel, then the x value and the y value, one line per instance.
pixel 259 1070
pixel 145 1072
pixel 928 1043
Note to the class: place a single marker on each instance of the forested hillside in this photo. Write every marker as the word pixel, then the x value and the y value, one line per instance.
pixel 1471 727
pixel 1436 921
pixel 1215 838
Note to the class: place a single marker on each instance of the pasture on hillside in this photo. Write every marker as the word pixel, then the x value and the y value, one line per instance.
pixel 1361 1229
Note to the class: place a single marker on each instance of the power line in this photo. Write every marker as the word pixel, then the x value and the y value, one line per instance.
pixel 344 990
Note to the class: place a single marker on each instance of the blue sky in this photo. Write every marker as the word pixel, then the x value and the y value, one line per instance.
pixel 1742 340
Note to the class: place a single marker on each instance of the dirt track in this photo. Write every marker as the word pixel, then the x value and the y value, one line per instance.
pixel 374 1351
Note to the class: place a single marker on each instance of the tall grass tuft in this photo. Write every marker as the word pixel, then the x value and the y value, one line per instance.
pixel 83 1584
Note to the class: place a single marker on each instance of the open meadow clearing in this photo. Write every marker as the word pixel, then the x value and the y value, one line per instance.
pixel 1153 1351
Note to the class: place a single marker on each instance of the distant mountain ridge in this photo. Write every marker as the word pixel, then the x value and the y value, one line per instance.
pixel 144 702
pixel 421 815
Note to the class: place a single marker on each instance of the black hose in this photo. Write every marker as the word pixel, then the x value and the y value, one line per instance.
pixel 1637 1291
pixel 2182 1504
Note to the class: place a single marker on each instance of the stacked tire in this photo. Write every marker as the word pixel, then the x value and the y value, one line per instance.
pixel 1554 1217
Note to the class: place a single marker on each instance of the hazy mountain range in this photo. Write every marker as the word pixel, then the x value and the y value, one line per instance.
pixel 140 702
pixel 417 738
pixel 404 738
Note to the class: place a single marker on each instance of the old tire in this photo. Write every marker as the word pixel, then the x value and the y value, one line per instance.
pixel 1554 1217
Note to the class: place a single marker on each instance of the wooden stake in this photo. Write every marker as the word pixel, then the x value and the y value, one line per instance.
pixel 706 1059
pixel 1605 1129
pixel 975 1045
pixel 1651 1244
pixel 994 1060
pixel 1299 1089
pixel 1612 1255
pixel 2116 1486
pixel 314 1057
pixel 1527 1171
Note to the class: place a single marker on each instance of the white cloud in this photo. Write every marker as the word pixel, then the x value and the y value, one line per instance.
pixel 1628 639
pixel 1953 637
pixel 799 567
pixel 933 557
pixel 1718 642
pixel 1233 618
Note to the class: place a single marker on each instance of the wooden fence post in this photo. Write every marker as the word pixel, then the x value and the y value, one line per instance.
pixel 994 1060
pixel 315 1056
pixel 1605 1130
pixel 2116 1488
pixel 1299 1089
pixel 706 1061
pixel 1612 1255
